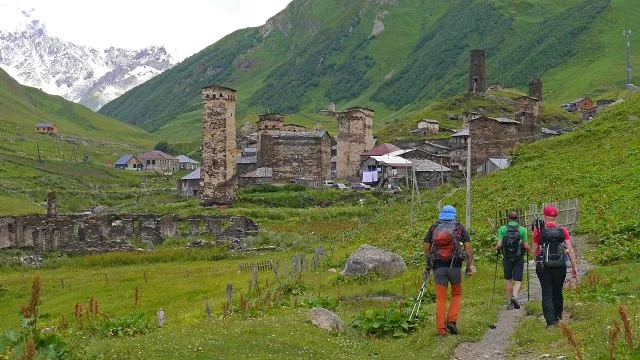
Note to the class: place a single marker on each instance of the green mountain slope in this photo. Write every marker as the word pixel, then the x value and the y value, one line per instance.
pixel 32 165
pixel 23 107
pixel 395 56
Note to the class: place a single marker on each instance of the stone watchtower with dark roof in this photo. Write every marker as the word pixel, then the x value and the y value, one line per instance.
pixel 219 182
pixel 355 136
pixel 535 89
pixel 527 111
pixel 477 72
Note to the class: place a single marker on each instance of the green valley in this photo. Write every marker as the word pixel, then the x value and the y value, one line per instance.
pixel 397 58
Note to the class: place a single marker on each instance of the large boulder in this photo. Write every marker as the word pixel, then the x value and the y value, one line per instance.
pixel 368 258
pixel 325 319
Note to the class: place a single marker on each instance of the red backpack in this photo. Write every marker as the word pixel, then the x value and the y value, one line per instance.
pixel 446 241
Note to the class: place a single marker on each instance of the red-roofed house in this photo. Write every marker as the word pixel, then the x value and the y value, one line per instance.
pixel 382 149
pixel 158 161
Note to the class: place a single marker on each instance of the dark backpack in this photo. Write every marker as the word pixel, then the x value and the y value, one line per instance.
pixel 553 249
pixel 512 243
pixel 445 244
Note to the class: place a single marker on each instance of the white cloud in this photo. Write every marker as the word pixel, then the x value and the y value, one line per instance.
pixel 184 27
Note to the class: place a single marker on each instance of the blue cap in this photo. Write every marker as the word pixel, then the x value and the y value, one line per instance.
pixel 448 213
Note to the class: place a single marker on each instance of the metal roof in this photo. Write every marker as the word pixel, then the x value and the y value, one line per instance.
pixel 247 160
pixel 301 134
pixel 505 120
pixel 45 125
pixel 124 159
pixel 501 163
pixel 195 175
pixel 380 150
pixel 186 159
pixel 263 172
pixel 437 145
pixel 394 161
pixel 156 154
pixel 464 132
pixel 423 165
pixel 429 121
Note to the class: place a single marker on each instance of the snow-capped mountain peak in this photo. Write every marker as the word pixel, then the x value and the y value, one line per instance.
pixel 82 74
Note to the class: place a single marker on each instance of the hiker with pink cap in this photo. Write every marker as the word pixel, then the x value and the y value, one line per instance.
pixel 552 243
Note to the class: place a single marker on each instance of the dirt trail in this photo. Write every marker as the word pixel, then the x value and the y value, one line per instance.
pixel 495 342
pixel 446 196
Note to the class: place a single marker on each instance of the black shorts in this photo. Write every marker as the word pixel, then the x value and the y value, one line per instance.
pixel 513 270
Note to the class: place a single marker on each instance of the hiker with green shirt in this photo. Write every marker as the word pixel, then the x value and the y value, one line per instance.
pixel 512 240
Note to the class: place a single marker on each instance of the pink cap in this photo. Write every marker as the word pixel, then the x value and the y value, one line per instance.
pixel 550 211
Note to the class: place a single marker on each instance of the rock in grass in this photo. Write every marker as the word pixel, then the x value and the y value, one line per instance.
pixel 325 319
pixel 368 258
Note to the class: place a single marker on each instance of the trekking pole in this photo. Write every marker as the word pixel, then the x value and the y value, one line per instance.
pixel 495 275
pixel 528 291
pixel 418 301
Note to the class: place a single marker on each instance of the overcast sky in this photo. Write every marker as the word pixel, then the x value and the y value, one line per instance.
pixel 184 27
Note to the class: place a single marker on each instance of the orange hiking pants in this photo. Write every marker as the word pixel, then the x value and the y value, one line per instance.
pixel 443 276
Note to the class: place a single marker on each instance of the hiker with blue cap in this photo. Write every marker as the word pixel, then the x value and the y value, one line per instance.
pixel 446 247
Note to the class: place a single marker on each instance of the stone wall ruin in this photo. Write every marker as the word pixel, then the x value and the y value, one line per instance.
pixel 95 234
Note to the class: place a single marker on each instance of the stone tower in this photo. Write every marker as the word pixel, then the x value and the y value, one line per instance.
pixel 527 111
pixel 477 72
pixel 355 136
pixel 218 182
pixel 535 89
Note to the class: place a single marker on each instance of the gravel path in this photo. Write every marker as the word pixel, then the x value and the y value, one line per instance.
pixel 495 342
pixel 446 196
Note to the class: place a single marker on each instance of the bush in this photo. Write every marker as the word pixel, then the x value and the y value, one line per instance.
pixel 394 320
pixel 131 325
pixel 620 245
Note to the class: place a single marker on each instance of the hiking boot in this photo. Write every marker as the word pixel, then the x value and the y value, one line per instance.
pixel 451 326
pixel 510 305
pixel 515 303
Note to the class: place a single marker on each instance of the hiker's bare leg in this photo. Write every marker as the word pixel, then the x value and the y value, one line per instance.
pixel 508 288
pixel 516 288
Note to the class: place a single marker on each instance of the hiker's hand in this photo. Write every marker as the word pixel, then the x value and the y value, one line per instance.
pixel 471 270
pixel 574 272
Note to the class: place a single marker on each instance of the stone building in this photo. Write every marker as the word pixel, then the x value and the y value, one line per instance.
pixel 271 122
pixel 527 112
pixel 157 160
pixel 535 89
pixel 491 138
pixel 355 137
pixel 294 128
pixel 477 72
pixel 219 182
pixel 293 156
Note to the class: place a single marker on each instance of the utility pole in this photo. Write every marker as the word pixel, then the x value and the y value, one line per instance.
pixel 468 213
pixel 627 33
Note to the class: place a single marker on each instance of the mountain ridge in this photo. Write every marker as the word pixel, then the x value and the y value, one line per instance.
pixel 82 74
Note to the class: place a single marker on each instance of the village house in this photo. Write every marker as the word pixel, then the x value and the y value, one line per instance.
pixel 128 162
pixel 430 174
pixel 156 160
pixel 47 129
pixel 426 127
pixel 460 138
pixel 263 175
pixel 420 154
pixel 582 104
pixel 271 121
pixel 186 163
pixel 493 164
pixel 385 169
pixel 246 164
pixel 491 138
pixel 190 184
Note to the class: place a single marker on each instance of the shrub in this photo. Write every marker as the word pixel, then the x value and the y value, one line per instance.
pixel 130 325
pixel 393 320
